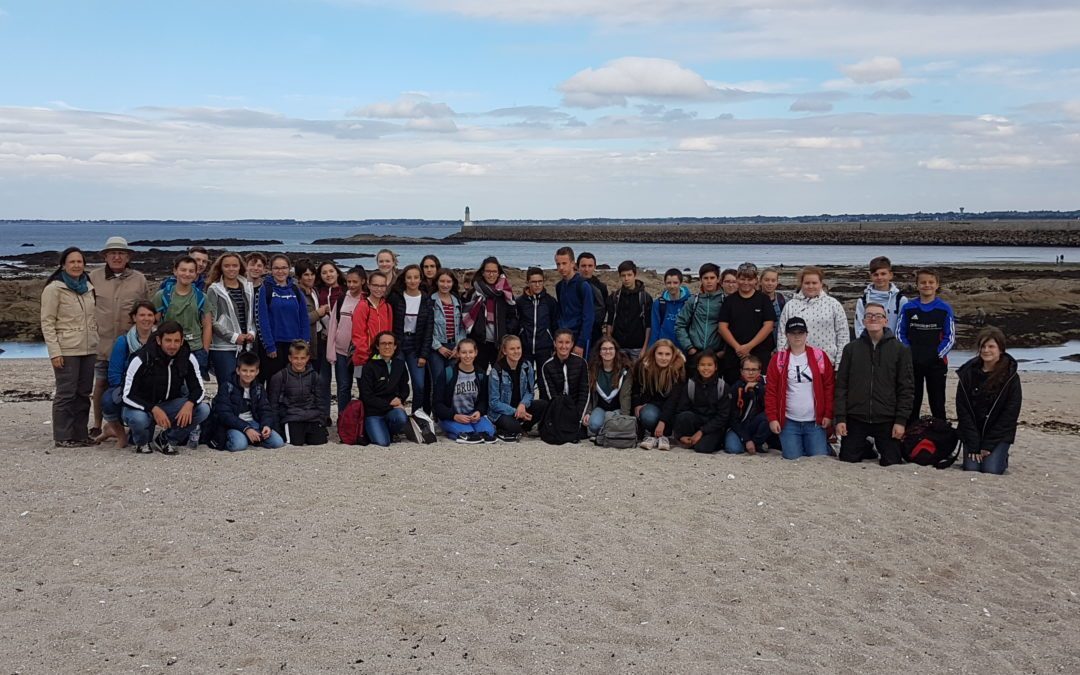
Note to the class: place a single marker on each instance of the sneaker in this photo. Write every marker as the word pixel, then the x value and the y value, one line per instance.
pixel 488 438
pixel 193 437
pixel 162 444
pixel 412 431
pixel 507 437
pixel 469 438
pixel 143 450
pixel 649 443
pixel 663 443
pixel 426 426
pixel 68 444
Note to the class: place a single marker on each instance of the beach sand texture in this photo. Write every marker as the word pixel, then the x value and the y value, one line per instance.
pixel 526 557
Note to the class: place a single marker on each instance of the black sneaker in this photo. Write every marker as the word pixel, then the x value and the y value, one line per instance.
pixel 143 449
pixel 469 438
pixel 508 437
pixel 488 438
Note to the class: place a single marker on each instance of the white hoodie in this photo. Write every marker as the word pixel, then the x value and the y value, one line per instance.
pixel 826 323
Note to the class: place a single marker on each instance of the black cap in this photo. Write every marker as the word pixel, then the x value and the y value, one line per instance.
pixel 795 325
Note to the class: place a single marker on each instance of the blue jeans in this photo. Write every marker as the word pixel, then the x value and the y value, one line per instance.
pixel 650 416
pixel 803 439
pixel 224 364
pixel 142 424
pixel 454 429
pixel 996 462
pixel 417 375
pixel 326 371
pixel 757 427
pixel 380 430
pixel 597 418
pixel 437 363
pixel 110 408
pixel 204 363
pixel 236 441
pixel 343 375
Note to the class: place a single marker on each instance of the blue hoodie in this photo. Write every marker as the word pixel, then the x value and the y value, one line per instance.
pixel 664 310
pixel 928 329
pixel 576 308
pixel 285 317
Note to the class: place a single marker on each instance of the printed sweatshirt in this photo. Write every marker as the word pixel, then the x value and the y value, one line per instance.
pixel 929 329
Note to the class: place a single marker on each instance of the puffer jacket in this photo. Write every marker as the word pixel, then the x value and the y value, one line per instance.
pixel 826 323
pixel 229 403
pixel 566 378
pixel 1000 424
pixel 68 320
pixel 538 319
pixel 115 295
pixel 874 384
pixel 226 319
pixel 296 397
pixel 697 322
pixel 710 400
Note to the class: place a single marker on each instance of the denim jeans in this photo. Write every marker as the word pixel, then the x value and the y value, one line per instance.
pixel 803 439
pixel 437 363
pixel 757 427
pixel 380 430
pixel 142 424
pixel 597 418
pixel 110 407
pixel 454 429
pixel 650 416
pixel 224 364
pixel 236 441
pixel 417 375
pixel 996 462
pixel 343 375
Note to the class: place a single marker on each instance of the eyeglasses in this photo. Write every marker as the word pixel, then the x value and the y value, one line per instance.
pixel 751 370
pixel 875 316
pixel 384 343
pixel 276 268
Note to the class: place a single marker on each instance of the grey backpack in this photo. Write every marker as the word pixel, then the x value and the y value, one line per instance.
pixel 619 431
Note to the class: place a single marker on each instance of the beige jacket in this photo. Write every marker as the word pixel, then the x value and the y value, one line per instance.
pixel 67 320
pixel 116 295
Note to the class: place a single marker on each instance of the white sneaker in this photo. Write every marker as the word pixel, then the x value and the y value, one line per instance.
pixel 648 444
pixel 663 443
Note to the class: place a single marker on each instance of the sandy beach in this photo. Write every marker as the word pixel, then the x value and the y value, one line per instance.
pixel 527 557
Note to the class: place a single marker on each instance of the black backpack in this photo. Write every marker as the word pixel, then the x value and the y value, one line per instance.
pixel 931 442
pixel 562 422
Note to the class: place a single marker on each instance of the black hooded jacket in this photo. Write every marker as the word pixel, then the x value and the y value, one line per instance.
pixel 1003 407
pixel 154 377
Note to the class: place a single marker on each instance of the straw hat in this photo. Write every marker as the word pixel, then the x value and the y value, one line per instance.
pixel 116 244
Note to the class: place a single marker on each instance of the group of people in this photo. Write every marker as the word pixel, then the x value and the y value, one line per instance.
pixel 736 366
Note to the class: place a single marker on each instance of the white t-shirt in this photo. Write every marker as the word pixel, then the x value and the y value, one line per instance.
pixel 246 415
pixel 412 310
pixel 800 389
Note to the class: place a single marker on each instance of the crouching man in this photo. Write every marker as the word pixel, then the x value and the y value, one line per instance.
pixel 162 388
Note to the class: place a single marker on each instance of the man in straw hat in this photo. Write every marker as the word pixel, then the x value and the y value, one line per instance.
pixel 118 288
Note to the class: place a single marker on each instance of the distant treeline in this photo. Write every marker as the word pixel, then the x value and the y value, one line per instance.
pixel 684 220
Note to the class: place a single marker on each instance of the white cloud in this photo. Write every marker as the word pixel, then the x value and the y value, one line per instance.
pixel 899 94
pixel 877 69
pixel 123 158
pixel 408 106
pixel 810 105
pixel 642 77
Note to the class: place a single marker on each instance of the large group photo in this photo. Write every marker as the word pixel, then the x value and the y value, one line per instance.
pixel 442 336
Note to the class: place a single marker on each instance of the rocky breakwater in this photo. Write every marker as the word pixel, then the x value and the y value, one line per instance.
pixel 951 233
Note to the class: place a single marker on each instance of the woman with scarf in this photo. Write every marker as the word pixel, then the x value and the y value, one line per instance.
pixel 143 317
pixel 491 312
pixel 70 331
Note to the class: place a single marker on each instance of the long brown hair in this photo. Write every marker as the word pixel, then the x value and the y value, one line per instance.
pixel 215 270
pixel 996 379
pixel 659 380
pixel 596 364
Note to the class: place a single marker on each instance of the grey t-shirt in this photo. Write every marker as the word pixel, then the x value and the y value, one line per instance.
pixel 466 392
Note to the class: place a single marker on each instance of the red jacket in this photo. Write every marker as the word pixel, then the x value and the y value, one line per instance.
pixel 776 385
pixel 367 322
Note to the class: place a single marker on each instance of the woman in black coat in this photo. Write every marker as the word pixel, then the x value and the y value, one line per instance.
pixel 988 399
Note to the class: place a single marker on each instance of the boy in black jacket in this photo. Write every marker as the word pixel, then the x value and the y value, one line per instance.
pixel 629 312
pixel 538 319
pixel 749 427
pixel 297 399
pixel 242 413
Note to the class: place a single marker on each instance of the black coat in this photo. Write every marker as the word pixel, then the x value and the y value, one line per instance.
pixel 1000 424
pixel 569 377
pixel 746 404
pixel 153 377
pixel 538 319
pixel 874 384
pixel 443 398
pixel 425 322
pixel 710 400
pixel 381 383
pixel 230 402
pixel 296 397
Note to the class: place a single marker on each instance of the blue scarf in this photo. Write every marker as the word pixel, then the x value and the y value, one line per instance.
pixel 77 285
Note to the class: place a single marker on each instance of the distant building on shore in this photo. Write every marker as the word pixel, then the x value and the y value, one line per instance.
pixel 467 223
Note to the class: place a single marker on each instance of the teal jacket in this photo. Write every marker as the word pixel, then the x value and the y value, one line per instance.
pixel 697 322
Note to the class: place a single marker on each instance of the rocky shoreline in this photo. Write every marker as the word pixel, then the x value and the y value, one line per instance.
pixel 1035 305
pixel 383 240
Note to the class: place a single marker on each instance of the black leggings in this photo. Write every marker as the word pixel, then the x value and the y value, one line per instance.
pixel 688 423
pixel 512 425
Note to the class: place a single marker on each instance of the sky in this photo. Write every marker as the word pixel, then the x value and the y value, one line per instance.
pixel 352 109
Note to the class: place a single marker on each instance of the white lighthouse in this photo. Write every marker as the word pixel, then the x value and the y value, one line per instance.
pixel 468 220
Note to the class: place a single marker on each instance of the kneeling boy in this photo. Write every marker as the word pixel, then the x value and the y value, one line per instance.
pixel 242 413
pixel 297 400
